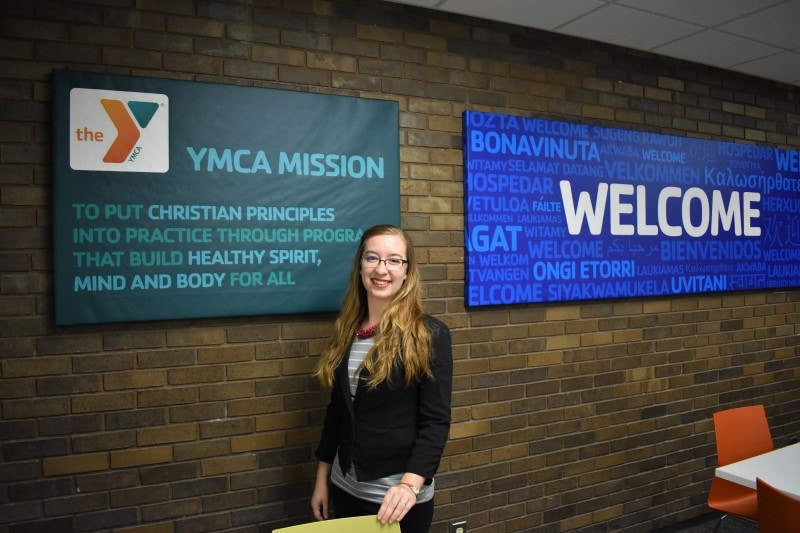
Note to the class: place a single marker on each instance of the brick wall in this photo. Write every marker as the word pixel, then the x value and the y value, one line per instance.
pixel 591 416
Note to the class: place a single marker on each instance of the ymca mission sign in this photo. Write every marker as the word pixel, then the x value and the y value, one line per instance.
pixel 175 199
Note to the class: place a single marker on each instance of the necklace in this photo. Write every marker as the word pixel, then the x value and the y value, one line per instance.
pixel 366 333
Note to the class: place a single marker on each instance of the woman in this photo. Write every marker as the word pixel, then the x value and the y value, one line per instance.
pixel 390 368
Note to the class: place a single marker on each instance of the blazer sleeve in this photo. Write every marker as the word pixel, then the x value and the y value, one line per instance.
pixel 334 418
pixel 433 419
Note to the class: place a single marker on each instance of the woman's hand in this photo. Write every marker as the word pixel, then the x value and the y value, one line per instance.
pixel 319 498
pixel 396 504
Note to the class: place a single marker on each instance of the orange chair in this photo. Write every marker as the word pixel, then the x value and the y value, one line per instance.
pixel 778 512
pixel 740 433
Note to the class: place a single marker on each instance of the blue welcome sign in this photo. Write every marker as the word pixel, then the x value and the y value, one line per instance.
pixel 558 211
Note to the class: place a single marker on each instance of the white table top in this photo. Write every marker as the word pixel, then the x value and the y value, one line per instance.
pixel 780 468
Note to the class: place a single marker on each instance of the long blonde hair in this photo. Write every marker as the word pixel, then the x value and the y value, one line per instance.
pixel 402 338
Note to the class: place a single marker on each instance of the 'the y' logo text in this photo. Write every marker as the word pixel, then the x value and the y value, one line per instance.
pixel 118 131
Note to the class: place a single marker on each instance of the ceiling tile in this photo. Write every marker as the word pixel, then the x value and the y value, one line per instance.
pixel 542 14
pixel 711 47
pixel 776 25
pixel 783 67
pixel 720 33
pixel 418 3
pixel 708 13
pixel 629 27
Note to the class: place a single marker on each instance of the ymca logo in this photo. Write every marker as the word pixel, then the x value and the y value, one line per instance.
pixel 118 131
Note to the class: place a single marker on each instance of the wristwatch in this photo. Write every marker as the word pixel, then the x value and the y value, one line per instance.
pixel 413 488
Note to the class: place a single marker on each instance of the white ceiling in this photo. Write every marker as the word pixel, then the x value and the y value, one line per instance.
pixel 756 37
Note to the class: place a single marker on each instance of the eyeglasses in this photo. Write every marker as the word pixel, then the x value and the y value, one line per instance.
pixel 392 263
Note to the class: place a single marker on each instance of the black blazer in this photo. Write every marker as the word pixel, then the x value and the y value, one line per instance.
pixel 394 428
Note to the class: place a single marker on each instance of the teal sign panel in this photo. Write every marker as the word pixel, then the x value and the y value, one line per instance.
pixel 176 199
